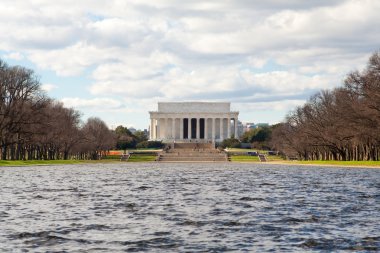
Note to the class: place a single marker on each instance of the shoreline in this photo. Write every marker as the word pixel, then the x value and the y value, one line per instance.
pixel 339 164
pixel 316 164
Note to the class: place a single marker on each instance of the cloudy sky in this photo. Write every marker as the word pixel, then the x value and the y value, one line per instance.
pixel 115 59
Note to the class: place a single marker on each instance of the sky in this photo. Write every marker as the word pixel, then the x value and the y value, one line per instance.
pixel 115 59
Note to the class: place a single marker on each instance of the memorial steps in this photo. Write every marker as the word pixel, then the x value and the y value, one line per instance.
pixel 192 152
pixel 182 155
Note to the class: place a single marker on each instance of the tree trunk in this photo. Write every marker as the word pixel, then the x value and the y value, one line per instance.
pixel 4 152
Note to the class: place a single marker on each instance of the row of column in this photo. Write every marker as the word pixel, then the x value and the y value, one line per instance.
pixel 155 128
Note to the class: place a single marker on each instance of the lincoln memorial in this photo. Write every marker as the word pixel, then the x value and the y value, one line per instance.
pixel 193 121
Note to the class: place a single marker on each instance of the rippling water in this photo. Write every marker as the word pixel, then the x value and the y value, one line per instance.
pixel 188 208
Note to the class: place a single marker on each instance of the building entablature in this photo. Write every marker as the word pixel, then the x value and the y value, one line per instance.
pixel 155 115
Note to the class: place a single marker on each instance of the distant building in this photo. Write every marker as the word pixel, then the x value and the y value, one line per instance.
pixel 193 122
pixel 250 125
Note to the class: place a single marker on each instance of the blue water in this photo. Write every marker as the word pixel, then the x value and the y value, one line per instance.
pixel 189 208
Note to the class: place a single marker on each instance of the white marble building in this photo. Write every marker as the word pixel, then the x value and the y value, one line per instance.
pixel 193 121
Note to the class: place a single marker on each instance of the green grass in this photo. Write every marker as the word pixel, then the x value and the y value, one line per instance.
pixel 242 150
pixel 244 158
pixel 246 150
pixel 142 150
pixel 339 163
pixel 240 155
pixel 137 156
pixel 274 158
pixel 150 157
pixel 38 162
pixel 142 158
pixel 111 157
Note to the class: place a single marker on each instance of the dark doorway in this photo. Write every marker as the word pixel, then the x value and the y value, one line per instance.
pixel 193 128
pixel 202 128
pixel 185 128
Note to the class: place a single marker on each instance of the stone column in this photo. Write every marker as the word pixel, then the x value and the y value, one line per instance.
pixel 221 129
pixel 198 128
pixel 166 129
pixel 151 129
pixel 228 127
pixel 213 129
pixel 173 128
pixel 206 130
pixel 158 135
pixel 154 129
pixel 181 128
pixel 189 128
pixel 236 127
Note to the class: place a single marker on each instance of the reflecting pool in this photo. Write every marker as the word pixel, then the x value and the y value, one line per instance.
pixel 156 207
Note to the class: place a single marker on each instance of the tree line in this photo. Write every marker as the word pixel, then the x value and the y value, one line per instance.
pixel 338 124
pixel 36 127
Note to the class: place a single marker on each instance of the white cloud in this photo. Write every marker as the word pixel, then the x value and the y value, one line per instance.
pixel 95 103
pixel 284 105
pixel 48 87
pixel 256 62
pixel 14 56
pixel 199 50
pixel 72 60
pixel 283 82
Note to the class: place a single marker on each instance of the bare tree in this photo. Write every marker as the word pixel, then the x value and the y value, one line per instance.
pixel 33 126
pixel 98 137
pixel 342 124
pixel 21 100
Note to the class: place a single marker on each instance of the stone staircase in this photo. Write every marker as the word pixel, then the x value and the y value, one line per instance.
pixel 192 152
pixel 262 158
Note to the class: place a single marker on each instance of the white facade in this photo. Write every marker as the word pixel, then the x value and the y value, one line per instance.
pixel 193 121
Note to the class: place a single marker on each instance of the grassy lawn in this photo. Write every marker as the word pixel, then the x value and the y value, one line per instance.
pixel 39 162
pixel 338 163
pixel 133 158
pixel 144 150
pixel 241 155
pixel 245 150
pixel 142 158
pixel 111 157
pixel 143 155
pixel 274 158
pixel 241 150
pixel 150 157
pixel 136 155
pixel 244 158
pixel 248 158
